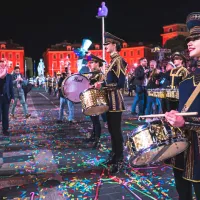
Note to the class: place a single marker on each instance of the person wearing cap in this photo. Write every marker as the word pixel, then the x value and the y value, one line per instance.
pixel 114 83
pixel 186 166
pixel 178 73
pixel 95 63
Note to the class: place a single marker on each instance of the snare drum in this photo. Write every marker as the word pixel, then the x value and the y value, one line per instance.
pixel 94 102
pixel 73 85
pixel 153 143
pixel 172 93
pixel 159 93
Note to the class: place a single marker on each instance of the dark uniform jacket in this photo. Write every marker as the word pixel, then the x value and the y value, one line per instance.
pixel 189 161
pixel 115 82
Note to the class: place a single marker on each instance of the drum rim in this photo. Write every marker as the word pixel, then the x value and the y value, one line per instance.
pixel 139 153
pixel 95 115
pixel 88 90
pixel 139 128
pixel 65 79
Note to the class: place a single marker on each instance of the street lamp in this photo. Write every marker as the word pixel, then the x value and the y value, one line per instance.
pixel 102 13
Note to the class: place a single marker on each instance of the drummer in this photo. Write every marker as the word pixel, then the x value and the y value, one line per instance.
pixel 186 166
pixel 95 63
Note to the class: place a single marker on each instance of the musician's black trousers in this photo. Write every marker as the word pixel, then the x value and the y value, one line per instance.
pixel 168 105
pixel 184 187
pixel 96 126
pixel 114 127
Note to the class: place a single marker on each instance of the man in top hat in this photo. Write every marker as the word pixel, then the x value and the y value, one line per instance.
pixel 95 63
pixel 114 83
pixel 186 166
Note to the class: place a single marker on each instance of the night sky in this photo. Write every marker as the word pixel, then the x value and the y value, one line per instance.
pixel 38 24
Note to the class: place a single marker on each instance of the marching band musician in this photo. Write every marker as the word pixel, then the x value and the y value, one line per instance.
pixel 178 73
pixel 186 166
pixel 94 64
pixel 64 101
pixel 114 82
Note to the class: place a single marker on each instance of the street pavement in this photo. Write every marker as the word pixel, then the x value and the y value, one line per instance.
pixel 45 160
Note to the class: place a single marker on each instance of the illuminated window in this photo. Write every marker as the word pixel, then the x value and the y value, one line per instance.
pixel 131 53
pixel 3 46
pixel 17 56
pixel 97 46
pixel 124 45
pixel 69 48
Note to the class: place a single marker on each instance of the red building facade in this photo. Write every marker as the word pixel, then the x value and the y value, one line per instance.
pixel 173 30
pixel 14 53
pixel 54 55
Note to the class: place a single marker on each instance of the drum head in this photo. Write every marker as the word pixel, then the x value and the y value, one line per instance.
pixel 73 85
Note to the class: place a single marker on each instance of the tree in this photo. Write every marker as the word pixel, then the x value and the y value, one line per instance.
pixel 176 44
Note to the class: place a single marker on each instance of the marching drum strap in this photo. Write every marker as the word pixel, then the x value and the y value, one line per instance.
pixel 191 99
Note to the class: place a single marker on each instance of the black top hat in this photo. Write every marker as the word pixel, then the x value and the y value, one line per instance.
pixel 109 38
pixel 193 25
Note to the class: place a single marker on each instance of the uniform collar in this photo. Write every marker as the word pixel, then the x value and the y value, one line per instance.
pixel 115 54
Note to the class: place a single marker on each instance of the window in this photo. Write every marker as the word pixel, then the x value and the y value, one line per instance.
pixel 61 56
pixel 10 55
pixel 68 55
pixel 3 46
pixel 2 55
pixel 17 64
pixel 54 56
pixel 17 56
pixel 138 52
pixel 170 30
pixel 97 46
pixel 124 45
pixel 124 53
pixel 131 53
pixel 69 48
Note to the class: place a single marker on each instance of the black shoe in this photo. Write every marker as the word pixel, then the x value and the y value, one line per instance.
pixel 116 168
pixel 133 113
pixel 110 160
pixel 96 144
pixel 59 121
pixel 6 133
pixel 91 138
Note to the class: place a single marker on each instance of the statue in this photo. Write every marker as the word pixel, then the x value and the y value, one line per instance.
pixel 103 10
pixel 41 68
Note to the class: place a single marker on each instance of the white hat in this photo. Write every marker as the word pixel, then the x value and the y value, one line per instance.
pixel 172 64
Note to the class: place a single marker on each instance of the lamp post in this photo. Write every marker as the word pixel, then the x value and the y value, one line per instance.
pixel 102 13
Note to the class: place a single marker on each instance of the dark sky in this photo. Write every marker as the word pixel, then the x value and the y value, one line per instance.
pixel 38 24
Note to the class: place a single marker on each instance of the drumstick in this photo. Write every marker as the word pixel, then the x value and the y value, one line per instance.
pixel 163 115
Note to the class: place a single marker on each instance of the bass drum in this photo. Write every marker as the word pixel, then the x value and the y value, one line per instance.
pixel 73 85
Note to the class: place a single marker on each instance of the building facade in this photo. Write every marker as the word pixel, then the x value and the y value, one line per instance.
pixel 54 56
pixel 14 53
pixel 173 30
